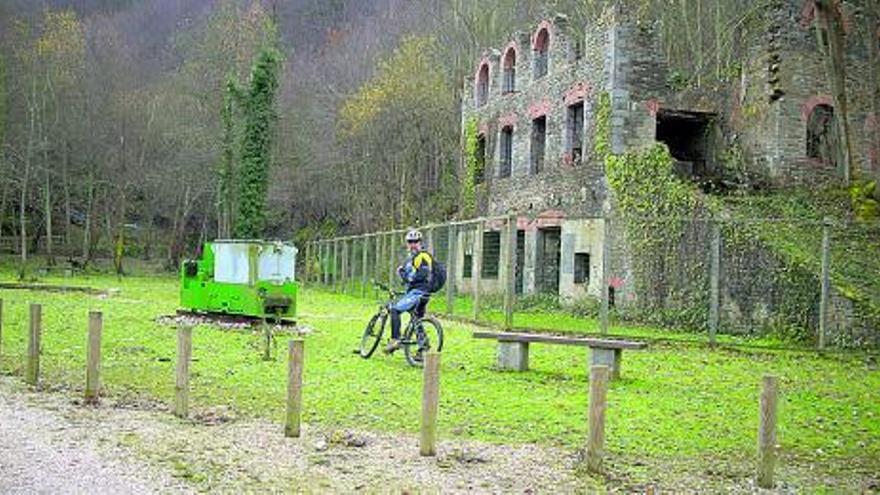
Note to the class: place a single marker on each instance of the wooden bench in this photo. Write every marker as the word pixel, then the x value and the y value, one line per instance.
pixel 513 349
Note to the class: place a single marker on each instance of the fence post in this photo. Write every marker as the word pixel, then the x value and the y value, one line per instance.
pixel 336 265
pixel 715 282
pixel 294 388
pixel 307 263
pixel 826 282
pixel 606 270
pixel 476 272
pixel 767 431
pixel 596 438
pixel 392 261
pixel 364 257
pixel 346 265
pixel 430 404
pixel 510 272
pixel 429 239
pixel 325 262
pixel 377 256
pixel 1 335
pixel 452 271
pixel 181 388
pixel 352 265
pixel 93 361
pixel 33 362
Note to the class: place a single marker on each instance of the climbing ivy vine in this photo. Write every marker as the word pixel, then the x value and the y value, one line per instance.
pixel 258 108
pixel 473 168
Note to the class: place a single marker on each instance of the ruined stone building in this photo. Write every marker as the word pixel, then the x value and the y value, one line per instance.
pixel 534 102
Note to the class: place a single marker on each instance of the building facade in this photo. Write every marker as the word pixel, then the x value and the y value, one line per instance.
pixel 534 105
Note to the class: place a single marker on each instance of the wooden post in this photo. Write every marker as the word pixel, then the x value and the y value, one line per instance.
pixel 345 266
pixel 1 335
pixel 767 432
pixel 606 275
pixel 392 259
pixel 430 404
pixel 325 263
pixel 380 248
pixel 294 388
pixel 93 361
pixel 596 439
pixel 826 282
pixel 32 376
pixel 429 239
pixel 476 272
pixel 510 273
pixel 336 265
pixel 714 282
pixel 451 270
pixel 184 355
pixel 307 264
pixel 364 256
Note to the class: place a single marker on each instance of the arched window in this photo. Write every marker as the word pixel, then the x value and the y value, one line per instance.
pixel 482 84
pixel 509 82
pixel 822 139
pixel 540 48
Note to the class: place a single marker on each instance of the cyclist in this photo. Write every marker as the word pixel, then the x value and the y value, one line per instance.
pixel 416 274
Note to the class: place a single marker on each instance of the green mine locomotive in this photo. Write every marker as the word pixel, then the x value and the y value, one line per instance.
pixel 244 278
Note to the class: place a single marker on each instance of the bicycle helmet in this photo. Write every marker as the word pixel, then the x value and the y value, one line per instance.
pixel 413 236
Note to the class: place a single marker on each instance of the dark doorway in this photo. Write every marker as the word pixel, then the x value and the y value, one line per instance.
pixel 520 260
pixel 688 135
pixel 491 254
pixel 548 260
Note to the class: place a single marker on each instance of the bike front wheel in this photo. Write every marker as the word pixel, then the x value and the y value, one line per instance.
pixel 424 336
pixel 373 334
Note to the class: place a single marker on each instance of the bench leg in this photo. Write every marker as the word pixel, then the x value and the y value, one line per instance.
pixel 513 356
pixel 618 358
pixel 607 357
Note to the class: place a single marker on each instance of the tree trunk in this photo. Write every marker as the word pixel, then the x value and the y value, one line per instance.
pixel 47 195
pixel 828 19
pixel 66 185
pixel 22 205
pixel 87 228
pixel 119 237
pixel 3 195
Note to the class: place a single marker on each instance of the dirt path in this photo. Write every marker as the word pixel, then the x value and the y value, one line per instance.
pixel 42 451
pixel 50 444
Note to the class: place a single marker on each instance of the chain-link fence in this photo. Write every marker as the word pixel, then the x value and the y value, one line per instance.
pixel 701 279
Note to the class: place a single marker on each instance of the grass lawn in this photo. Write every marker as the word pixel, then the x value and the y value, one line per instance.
pixel 679 404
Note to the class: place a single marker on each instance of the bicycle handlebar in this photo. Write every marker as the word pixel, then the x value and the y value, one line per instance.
pixel 384 288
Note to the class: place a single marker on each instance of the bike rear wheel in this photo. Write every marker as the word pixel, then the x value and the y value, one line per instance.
pixel 420 338
pixel 373 334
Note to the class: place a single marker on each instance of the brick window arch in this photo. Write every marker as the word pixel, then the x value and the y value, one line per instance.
pixel 508 84
pixel 822 138
pixel 540 49
pixel 482 84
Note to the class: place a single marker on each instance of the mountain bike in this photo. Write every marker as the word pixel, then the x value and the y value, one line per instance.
pixel 422 333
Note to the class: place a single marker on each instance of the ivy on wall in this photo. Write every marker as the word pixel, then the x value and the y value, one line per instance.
pixel 473 168
pixel 770 269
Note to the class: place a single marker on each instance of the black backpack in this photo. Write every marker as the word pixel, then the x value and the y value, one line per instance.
pixel 438 276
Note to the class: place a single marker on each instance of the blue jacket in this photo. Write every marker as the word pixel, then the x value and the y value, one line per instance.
pixel 416 271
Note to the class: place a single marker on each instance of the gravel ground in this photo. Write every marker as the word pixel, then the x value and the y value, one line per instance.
pixel 51 444
pixel 44 452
